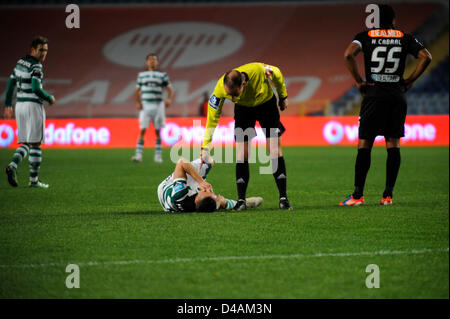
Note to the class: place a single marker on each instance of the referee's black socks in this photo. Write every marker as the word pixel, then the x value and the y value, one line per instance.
pixel 362 166
pixel 392 168
pixel 279 169
pixel 242 178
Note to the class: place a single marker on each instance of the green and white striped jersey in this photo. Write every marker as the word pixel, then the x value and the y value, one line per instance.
pixel 175 195
pixel 151 84
pixel 178 195
pixel 26 69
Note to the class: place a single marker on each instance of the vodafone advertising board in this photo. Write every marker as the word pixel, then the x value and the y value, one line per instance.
pixel 300 131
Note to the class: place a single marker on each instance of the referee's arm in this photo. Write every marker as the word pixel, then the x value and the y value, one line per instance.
pixel 211 124
pixel 278 80
pixel 275 75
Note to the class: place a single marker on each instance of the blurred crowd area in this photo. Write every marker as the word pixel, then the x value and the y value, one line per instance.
pixel 92 69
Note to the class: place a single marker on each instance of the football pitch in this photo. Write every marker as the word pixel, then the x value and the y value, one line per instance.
pixel 101 213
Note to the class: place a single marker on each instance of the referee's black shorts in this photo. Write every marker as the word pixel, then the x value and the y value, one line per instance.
pixel 382 115
pixel 266 114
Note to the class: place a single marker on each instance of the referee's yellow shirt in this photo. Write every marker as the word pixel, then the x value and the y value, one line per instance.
pixel 257 91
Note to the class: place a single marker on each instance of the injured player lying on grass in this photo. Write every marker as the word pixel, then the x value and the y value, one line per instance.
pixel 186 190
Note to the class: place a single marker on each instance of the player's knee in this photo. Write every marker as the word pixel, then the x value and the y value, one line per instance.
pixel 280 152
pixel 363 143
pixel 392 142
pixel 241 154
pixel 241 158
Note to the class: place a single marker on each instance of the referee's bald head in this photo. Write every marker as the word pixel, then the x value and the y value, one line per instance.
pixel 233 81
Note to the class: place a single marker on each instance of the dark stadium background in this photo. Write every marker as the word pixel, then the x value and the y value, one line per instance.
pixel 305 39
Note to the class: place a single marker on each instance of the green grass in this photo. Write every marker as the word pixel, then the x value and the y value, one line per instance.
pixel 103 208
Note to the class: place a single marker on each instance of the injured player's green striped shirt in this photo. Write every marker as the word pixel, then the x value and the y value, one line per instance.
pixel 178 195
pixel 27 77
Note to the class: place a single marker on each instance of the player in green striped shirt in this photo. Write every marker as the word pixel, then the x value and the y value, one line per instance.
pixel 150 85
pixel 186 190
pixel 30 113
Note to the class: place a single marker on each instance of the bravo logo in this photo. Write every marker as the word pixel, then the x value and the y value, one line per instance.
pixel 177 45
pixel 6 135
pixel 335 132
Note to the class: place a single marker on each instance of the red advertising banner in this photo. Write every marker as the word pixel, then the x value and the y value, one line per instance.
pixel 420 130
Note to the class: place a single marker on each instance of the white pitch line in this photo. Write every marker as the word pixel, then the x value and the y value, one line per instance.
pixel 227 258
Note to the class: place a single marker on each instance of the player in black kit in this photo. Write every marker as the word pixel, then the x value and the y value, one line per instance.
pixel 383 109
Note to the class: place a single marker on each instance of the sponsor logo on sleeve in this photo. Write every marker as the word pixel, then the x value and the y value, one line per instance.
pixel 214 102
pixel 178 187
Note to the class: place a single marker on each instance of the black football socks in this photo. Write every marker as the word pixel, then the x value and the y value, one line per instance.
pixel 279 173
pixel 392 168
pixel 242 178
pixel 362 167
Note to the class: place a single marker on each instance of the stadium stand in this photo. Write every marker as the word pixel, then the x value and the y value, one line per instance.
pixel 430 95
pixel 92 70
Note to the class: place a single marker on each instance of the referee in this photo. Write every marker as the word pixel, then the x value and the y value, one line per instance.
pixel 249 88
pixel 383 109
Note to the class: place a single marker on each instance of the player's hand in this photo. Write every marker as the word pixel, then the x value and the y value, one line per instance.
pixel 8 112
pixel 221 200
pixel 204 185
pixel 138 106
pixel 52 101
pixel 167 102
pixel 407 84
pixel 283 104
pixel 204 156
pixel 363 86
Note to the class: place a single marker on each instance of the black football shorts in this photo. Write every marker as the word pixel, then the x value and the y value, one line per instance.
pixel 266 114
pixel 382 115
